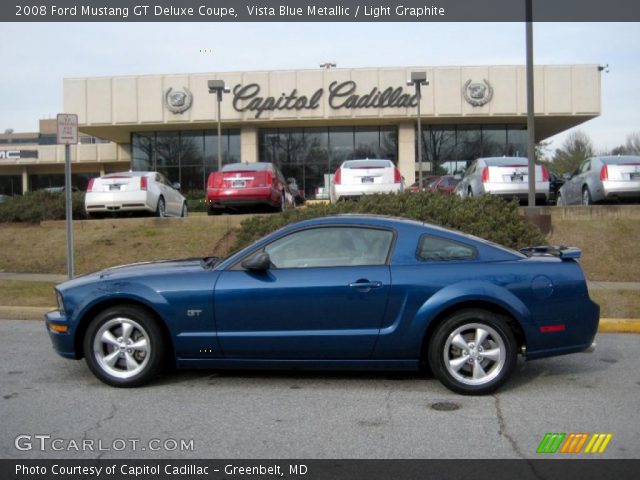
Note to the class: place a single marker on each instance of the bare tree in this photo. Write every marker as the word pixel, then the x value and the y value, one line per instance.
pixel 576 148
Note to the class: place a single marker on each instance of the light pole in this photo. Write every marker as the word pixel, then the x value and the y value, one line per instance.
pixel 531 149
pixel 418 79
pixel 217 87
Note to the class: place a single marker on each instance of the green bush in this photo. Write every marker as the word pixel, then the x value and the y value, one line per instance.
pixel 196 201
pixel 486 216
pixel 34 207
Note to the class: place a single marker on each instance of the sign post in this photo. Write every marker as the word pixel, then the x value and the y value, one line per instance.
pixel 68 135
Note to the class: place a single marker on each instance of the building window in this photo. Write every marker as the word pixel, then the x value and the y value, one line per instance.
pixel 56 180
pixel 311 155
pixel 450 148
pixel 10 185
pixel 186 156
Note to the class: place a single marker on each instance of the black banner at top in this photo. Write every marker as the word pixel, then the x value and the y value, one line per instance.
pixel 317 11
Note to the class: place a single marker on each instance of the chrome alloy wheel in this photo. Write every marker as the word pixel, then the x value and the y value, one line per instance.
pixel 121 347
pixel 474 354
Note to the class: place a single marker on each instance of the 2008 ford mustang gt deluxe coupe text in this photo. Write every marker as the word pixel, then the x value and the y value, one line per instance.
pixel 345 292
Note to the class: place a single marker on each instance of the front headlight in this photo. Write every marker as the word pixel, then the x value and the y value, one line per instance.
pixel 59 301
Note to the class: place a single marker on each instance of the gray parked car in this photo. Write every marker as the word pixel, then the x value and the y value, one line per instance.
pixel 602 178
pixel 504 176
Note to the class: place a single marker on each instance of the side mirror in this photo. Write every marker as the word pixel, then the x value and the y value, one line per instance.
pixel 567 176
pixel 176 185
pixel 258 263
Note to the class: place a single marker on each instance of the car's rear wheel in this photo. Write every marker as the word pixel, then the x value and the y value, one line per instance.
pixel 586 196
pixel 473 352
pixel 283 203
pixel 559 200
pixel 123 346
pixel 470 193
pixel 161 209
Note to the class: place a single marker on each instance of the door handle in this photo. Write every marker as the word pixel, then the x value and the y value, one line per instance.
pixel 365 285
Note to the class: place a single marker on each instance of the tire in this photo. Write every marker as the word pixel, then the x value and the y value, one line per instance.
pixel 559 200
pixel 456 336
pixel 161 208
pixel 123 346
pixel 470 193
pixel 586 196
pixel 185 211
pixel 283 203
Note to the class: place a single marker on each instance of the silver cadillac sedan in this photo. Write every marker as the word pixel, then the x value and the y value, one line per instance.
pixel 602 178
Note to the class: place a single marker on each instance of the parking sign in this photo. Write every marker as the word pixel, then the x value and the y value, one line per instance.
pixel 67 128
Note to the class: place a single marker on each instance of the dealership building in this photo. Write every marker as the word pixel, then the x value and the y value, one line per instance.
pixel 305 121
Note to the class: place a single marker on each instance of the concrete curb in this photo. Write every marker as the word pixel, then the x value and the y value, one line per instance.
pixel 607 325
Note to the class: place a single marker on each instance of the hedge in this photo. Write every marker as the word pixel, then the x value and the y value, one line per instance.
pixel 487 216
pixel 34 207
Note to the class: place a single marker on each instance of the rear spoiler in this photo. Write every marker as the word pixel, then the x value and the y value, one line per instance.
pixel 561 251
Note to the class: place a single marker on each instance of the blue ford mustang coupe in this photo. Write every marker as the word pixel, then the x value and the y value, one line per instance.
pixel 343 292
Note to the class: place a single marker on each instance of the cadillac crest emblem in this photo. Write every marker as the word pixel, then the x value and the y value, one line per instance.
pixel 178 101
pixel 477 94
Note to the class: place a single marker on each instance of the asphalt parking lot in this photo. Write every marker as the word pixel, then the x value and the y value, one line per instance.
pixel 309 415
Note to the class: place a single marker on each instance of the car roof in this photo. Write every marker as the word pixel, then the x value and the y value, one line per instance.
pixel 247 167
pixel 125 174
pixel 497 161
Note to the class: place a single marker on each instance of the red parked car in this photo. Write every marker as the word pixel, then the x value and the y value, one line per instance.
pixel 240 185
pixel 444 184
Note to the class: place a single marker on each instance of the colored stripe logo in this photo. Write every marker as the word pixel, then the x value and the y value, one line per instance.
pixel 573 443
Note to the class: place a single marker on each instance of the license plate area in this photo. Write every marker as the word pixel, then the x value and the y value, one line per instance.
pixel 367 179
pixel 117 187
pixel 238 184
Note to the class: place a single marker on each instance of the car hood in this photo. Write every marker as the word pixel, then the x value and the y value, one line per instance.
pixel 135 270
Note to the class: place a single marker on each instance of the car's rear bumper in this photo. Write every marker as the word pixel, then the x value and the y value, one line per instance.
pixel 519 190
pixel 112 202
pixel 229 197
pixel 355 191
pixel 622 189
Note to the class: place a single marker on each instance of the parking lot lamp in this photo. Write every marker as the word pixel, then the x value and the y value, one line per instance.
pixel 218 87
pixel 418 79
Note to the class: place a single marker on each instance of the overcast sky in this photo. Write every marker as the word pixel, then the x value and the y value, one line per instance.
pixel 34 63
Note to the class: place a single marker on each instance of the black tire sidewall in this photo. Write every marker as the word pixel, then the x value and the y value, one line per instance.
pixel 161 212
pixel 156 342
pixel 439 338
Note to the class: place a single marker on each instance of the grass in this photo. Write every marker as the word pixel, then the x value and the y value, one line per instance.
pixel 609 246
pixel 101 244
pixel 617 303
pixel 26 294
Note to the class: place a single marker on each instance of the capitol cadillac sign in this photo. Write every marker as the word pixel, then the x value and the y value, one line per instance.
pixel 247 98
pixel 339 95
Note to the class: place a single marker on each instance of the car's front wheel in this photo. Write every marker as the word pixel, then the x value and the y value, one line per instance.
pixel 123 346
pixel 185 211
pixel 473 352
pixel 586 196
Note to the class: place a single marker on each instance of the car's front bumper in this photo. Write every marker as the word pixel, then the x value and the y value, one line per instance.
pixel 63 341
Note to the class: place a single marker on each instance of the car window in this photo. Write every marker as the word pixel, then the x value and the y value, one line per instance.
pixel 331 247
pixel 436 248
pixel 585 166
